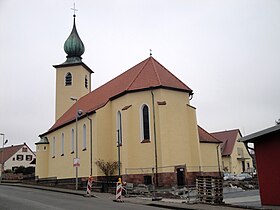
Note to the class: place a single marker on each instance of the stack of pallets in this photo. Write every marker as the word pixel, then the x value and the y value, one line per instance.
pixel 209 189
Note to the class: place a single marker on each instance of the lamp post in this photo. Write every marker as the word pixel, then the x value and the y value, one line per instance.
pixel 76 115
pixel 2 158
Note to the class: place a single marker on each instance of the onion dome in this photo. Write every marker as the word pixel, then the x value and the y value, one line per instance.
pixel 74 46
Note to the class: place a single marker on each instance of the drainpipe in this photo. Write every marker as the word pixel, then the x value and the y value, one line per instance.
pixel 155 137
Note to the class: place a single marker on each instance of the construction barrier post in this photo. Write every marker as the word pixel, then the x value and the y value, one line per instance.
pixel 119 191
pixel 89 187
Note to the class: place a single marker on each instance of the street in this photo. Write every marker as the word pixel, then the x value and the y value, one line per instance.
pixel 12 197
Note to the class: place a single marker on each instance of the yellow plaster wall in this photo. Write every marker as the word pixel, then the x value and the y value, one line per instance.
pixel 134 154
pixel 42 164
pixel 176 129
pixel 210 157
pixel 77 89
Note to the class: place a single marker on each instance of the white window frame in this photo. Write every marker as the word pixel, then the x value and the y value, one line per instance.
pixel 142 122
pixel 72 140
pixel 62 144
pixel 53 147
pixel 84 137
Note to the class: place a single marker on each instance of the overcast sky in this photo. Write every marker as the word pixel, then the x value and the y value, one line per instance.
pixel 228 52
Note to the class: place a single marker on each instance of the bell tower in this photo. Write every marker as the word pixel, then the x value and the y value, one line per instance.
pixel 73 77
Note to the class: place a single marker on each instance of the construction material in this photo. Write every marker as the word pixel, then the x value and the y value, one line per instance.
pixel 209 189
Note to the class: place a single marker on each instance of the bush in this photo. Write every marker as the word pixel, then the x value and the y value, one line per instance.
pixel 7 171
pixel 25 171
pixel 19 170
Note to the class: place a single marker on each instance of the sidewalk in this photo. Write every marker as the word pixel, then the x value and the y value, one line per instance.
pixel 164 203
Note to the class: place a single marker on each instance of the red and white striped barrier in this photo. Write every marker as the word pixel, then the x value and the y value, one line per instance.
pixel 119 191
pixel 89 186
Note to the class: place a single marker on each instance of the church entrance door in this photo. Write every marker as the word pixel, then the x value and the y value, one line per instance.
pixel 180 176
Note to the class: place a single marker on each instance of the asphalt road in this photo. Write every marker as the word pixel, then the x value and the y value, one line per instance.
pixel 13 198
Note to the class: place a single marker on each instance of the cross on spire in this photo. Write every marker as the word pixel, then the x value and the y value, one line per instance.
pixel 74 9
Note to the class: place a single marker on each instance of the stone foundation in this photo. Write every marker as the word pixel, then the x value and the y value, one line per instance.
pixel 167 179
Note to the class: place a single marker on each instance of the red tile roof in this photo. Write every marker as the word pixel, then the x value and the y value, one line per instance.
pixel 228 138
pixel 205 137
pixel 147 74
pixel 9 152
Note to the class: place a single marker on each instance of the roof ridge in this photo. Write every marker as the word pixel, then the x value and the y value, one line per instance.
pixel 210 134
pixel 158 78
pixel 173 75
pixel 136 76
pixel 235 129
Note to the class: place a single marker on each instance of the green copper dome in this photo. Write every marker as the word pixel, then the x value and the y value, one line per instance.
pixel 74 46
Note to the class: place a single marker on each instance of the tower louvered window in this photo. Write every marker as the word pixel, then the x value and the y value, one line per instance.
pixel 86 82
pixel 68 79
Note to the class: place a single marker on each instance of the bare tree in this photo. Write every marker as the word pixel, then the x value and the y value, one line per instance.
pixel 108 168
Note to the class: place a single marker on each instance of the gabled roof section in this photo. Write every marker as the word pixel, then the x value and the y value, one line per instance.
pixel 9 152
pixel 145 75
pixel 205 137
pixel 229 138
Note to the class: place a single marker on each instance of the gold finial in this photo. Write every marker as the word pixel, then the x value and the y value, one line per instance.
pixel 74 9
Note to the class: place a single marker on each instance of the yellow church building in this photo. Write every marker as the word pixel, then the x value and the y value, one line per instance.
pixel 146 111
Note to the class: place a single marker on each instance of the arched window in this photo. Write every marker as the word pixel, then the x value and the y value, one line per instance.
pixel 72 140
pixel 62 144
pixel 53 147
pixel 119 128
pixel 68 79
pixel 86 82
pixel 84 137
pixel 145 123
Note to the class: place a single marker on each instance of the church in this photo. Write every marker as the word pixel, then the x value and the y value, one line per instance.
pixel 141 119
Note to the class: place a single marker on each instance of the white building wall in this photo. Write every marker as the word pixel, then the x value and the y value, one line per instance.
pixel 14 162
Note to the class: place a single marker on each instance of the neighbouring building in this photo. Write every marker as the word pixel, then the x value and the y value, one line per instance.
pixel 266 145
pixel 146 110
pixel 15 156
pixel 235 156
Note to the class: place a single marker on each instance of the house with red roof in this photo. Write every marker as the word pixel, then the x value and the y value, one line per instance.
pixel 235 156
pixel 15 156
pixel 141 119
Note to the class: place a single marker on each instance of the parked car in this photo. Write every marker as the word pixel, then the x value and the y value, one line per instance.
pixel 243 177
pixel 228 176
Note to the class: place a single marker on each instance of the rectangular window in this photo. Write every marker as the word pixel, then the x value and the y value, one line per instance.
pixel 24 149
pixel 19 157
pixel 28 157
